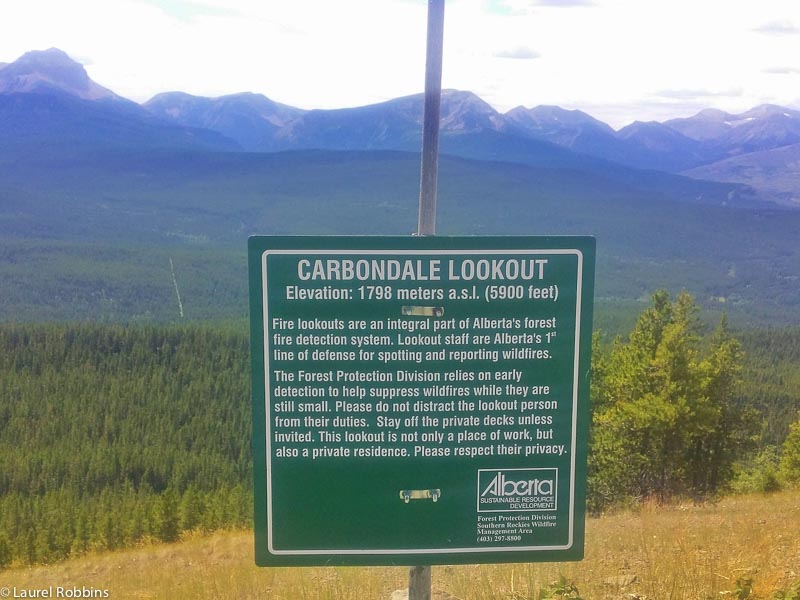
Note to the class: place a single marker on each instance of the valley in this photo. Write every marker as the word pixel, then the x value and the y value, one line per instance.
pixel 115 211
pixel 123 309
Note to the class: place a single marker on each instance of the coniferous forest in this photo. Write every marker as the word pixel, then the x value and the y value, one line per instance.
pixel 114 435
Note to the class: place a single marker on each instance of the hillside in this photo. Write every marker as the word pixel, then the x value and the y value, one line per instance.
pixel 687 552
pixel 775 171
pixel 92 236
pixel 250 119
pixel 114 435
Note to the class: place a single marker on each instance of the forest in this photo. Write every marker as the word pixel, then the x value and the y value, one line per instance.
pixel 111 435
pixel 115 435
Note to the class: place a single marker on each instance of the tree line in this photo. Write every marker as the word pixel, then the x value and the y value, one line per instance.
pixel 113 435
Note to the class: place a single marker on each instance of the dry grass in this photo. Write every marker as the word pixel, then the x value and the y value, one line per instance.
pixel 658 553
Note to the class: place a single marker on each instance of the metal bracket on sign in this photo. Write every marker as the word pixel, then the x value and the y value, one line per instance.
pixel 409 495
pixel 422 311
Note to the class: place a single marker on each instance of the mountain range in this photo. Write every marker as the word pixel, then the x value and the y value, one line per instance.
pixel 99 194
pixel 707 139
pixel 675 145
pixel 713 145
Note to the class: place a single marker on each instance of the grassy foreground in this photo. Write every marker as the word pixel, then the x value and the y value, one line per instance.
pixel 742 547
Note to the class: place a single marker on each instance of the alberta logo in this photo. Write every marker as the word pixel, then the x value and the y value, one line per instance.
pixel 529 490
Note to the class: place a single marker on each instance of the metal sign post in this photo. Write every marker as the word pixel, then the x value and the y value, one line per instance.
pixel 419 578
pixel 431 117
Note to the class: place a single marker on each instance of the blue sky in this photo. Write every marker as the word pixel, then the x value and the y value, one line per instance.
pixel 619 60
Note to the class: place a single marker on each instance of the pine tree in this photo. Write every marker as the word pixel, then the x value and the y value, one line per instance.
pixel 664 420
pixel 790 455
pixel 191 509
pixel 5 551
pixel 166 517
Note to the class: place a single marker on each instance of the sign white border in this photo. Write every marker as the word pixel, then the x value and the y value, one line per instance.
pixel 441 252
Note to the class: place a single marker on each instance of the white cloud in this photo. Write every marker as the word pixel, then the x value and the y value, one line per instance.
pixel 778 27
pixel 699 94
pixel 518 52
pixel 782 70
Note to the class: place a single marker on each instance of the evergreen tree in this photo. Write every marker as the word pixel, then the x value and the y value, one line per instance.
pixel 664 420
pixel 790 455
pixel 5 551
pixel 166 517
pixel 191 509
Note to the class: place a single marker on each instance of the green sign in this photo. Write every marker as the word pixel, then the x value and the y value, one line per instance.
pixel 420 400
